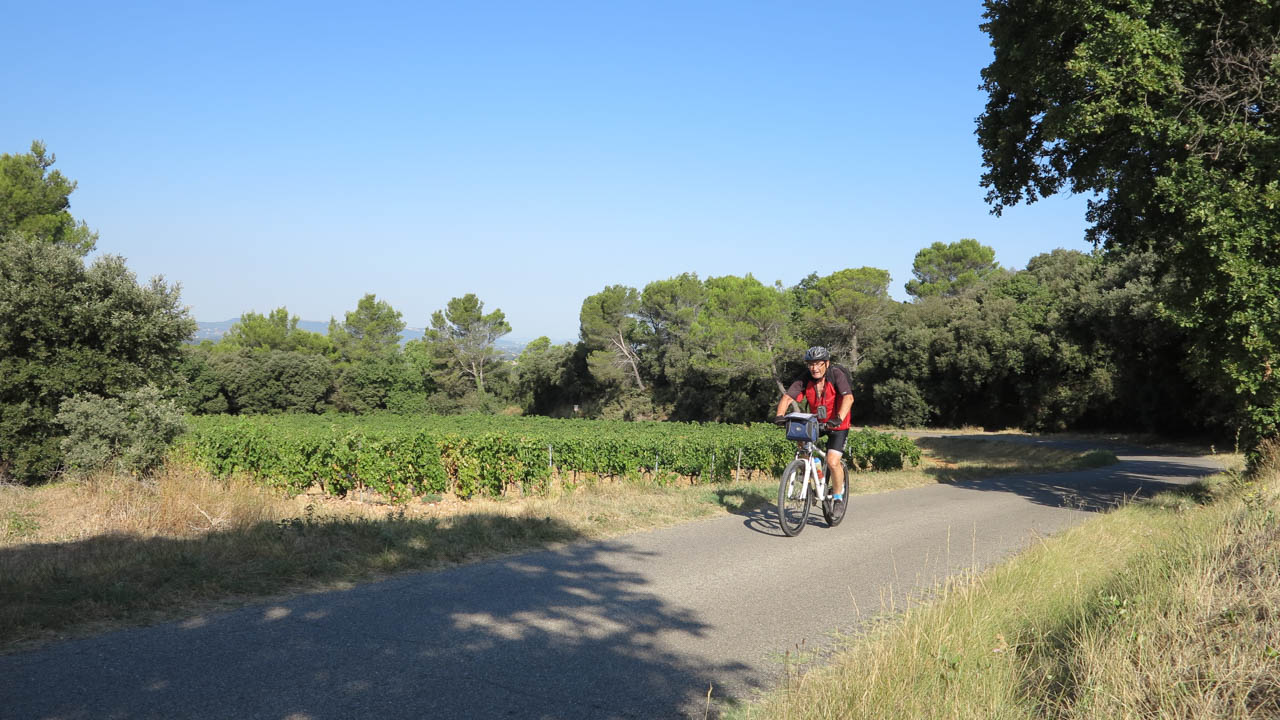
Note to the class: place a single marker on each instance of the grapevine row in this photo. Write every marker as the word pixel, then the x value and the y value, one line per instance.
pixel 403 457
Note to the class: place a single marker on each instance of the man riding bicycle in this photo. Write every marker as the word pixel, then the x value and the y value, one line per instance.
pixel 825 386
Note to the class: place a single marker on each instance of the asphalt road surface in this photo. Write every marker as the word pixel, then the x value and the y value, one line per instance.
pixel 641 626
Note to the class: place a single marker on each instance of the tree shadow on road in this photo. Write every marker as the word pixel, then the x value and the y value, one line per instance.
pixel 572 632
pixel 1098 489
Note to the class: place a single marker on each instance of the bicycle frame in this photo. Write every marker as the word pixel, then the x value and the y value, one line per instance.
pixel 809 452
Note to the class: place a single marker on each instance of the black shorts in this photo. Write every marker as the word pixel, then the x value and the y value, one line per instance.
pixel 836 440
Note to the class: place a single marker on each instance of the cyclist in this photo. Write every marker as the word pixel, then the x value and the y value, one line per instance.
pixel 826 386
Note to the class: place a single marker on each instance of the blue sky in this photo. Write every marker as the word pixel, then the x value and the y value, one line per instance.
pixel 304 154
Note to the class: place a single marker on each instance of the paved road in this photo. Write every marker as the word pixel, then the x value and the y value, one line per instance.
pixel 635 627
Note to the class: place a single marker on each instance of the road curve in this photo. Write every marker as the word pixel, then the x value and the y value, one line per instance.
pixel 635 627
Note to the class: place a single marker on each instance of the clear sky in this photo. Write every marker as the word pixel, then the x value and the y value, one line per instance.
pixel 304 154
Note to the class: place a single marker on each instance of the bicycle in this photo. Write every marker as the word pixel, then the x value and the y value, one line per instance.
pixel 805 479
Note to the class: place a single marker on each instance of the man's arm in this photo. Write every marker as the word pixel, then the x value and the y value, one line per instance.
pixel 846 406
pixel 782 405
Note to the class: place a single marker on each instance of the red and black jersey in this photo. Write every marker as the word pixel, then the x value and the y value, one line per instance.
pixel 835 386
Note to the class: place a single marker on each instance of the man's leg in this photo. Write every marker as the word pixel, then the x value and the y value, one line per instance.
pixel 835 451
pixel 835 471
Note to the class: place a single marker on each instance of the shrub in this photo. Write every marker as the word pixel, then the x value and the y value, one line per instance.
pixel 65 330
pixel 871 450
pixel 900 403
pixel 130 434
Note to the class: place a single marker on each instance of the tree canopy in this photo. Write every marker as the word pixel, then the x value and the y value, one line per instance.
pixel 948 269
pixel 372 329
pixel 35 204
pixel 1169 115
pixel 840 309
pixel 609 328
pixel 461 338
pixel 278 330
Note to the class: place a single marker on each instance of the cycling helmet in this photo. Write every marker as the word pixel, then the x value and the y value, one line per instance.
pixel 817 353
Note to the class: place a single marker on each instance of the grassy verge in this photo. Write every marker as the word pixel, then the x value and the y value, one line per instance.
pixel 1164 608
pixel 80 556
pixel 955 458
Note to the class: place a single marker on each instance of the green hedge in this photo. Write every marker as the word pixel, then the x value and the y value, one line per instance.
pixel 402 457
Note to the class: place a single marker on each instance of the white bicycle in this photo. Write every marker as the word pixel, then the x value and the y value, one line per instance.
pixel 804 481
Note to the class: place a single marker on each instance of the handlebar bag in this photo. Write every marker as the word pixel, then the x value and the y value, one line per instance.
pixel 802 427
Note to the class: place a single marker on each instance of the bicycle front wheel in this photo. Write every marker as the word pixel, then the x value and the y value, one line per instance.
pixel 793 502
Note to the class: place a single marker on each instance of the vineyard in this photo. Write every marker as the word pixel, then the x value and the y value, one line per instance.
pixel 403 457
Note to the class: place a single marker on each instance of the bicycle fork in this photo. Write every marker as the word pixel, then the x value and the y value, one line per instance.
pixel 810 474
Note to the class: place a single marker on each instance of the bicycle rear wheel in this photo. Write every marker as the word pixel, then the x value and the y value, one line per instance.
pixel 793 502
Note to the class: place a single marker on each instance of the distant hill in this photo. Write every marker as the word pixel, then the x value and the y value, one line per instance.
pixel 215 330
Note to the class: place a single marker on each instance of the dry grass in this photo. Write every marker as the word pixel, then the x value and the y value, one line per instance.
pixel 1162 609
pixel 946 459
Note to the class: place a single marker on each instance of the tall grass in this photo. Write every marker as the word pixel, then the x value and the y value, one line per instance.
pixel 1163 609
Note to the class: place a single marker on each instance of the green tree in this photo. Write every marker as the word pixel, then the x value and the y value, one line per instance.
pixel 840 309
pixel 1156 385
pixel 949 269
pixel 199 389
pixel 668 310
pixel 270 381
pixel 609 328
pixel 379 382
pixel 277 330
pixel 744 331
pixel 372 329
pixel 34 202
pixel 461 340
pixel 545 381
pixel 65 330
pixel 1169 114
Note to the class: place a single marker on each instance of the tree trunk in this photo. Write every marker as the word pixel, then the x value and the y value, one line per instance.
pixel 629 355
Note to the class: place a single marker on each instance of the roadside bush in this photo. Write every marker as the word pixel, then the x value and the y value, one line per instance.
pixel 67 329
pixel 129 435
pixel 871 450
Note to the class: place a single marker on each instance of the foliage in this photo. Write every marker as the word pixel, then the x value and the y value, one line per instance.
pixel 128 435
pixel 868 449
pixel 609 329
pixel 545 378
pixel 949 269
pixel 276 331
pixel 66 329
pixel 376 382
pixel 1069 342
pixel 197 388
pixel 476 454
pixel 460 342
pixel 668 309
pixel 839 310
pixel 1167 113
pixel 743 331
pixel 372 329
pixel 34 202
pixel 900 403
pixel 716 349
pixel 256 382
